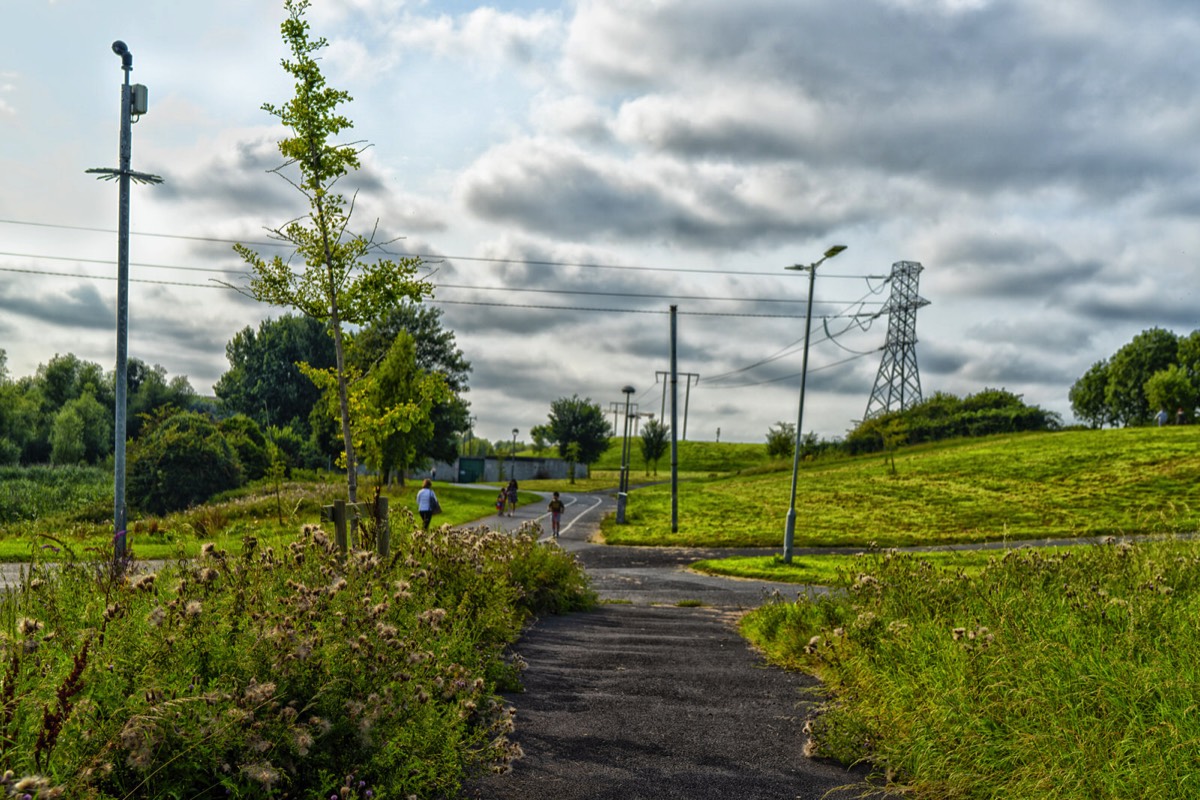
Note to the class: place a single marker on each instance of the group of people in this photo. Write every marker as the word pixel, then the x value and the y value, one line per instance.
pixel 428 505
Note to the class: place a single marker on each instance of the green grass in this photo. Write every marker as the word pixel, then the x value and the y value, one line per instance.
pixel 1022 486
pixel 698 458
pixel 256 509
pixel 1070 674
pixel 833 569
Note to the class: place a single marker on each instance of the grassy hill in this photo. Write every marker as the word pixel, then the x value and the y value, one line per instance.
pixel 1021 486
pixel 694 457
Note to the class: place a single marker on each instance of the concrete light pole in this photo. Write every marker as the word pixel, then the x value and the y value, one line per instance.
pixel 623 482
pixel 133 103
pixel 789 529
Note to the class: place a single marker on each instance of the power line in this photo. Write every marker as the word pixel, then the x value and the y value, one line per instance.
pixel 796 374
pixel 433 256
pixel 583 292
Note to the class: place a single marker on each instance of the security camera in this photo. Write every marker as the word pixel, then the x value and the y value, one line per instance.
pixel 119 48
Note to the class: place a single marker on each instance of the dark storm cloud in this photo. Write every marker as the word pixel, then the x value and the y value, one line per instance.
pixel 236 179
pixel 80 307
pixel 1009 266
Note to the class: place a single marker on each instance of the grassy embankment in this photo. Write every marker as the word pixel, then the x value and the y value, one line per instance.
pixel 1032 673
pixel 1017 487
pixel 1070 674
pixel 74 504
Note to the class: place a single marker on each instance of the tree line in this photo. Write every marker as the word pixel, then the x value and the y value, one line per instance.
pixel 1156 371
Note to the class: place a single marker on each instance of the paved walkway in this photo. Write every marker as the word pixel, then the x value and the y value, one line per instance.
pixel 643 698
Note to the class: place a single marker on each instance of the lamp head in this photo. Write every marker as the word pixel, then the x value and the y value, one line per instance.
pixel 121 49
pixel 628 390
pixel 833 251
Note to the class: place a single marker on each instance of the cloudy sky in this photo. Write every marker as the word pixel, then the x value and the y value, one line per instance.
pixel 571 169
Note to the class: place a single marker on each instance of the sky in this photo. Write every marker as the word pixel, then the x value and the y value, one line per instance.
pixel 570 170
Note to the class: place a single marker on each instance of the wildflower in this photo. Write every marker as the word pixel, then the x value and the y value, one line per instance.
pixel 143 583
pixel 259 693
pixel 958 633
pixel 812 645
pixel 192 609
pixel 207 549
pixel 263 773
pixel 207 575
pixel 27 626
pixel 156 616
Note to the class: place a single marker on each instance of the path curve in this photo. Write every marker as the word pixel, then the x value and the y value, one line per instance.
pixel 643 699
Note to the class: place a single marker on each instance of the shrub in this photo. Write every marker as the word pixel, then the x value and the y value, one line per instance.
pixel 273 673
pixel 251 445
pixel 181 459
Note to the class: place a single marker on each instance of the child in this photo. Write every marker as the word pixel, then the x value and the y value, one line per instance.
pixel 556 509
pixel 501 501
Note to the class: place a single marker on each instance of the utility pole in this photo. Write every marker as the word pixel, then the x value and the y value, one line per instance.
pixel 687 393
pixel 674 420
pixel 133 103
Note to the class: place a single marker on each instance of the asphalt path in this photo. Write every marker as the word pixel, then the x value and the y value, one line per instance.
pixel 646 698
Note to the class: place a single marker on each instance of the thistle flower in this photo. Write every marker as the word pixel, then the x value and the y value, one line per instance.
pixel 192 609
pixel 143 583
pixel 27 626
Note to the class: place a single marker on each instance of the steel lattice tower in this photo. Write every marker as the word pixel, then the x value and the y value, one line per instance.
pixel 898 384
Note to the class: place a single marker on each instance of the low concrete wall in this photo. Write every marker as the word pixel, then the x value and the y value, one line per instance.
pixel 495 470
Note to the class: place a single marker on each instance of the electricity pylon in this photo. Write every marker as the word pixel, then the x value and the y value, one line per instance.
pixel 898 383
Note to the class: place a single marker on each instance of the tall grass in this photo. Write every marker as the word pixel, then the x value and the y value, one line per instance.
pixel 32 493
pixel 1066 675
pixel 272 672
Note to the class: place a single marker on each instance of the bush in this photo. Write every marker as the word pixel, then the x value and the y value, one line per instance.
pixel 180 460
pixel 251 445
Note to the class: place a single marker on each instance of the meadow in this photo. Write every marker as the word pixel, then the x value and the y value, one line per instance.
pixel 1066 674
pixel 1012 487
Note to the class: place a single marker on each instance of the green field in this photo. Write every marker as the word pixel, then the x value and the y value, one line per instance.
pixel 1015 487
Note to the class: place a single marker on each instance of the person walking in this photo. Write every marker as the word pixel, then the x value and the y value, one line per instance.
pixel 512 497
pixel 556 510
pixel 427 503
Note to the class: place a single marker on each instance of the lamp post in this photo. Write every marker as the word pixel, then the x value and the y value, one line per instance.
pixel 789 530
pixel 623 482
pixel 133 103
pixel 513 460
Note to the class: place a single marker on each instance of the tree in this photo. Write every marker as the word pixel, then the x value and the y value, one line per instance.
pixel 149 391
pixel 1087 396
pixel 392 405
pixel 66 438
pixel 654 443
pixel 337 284
pixel 436 354
pixel 1170 389
pixel 264 382
pixel 542 437
pixel 247 439
pixel 580 429
pixel 781 440
pixel 1125 393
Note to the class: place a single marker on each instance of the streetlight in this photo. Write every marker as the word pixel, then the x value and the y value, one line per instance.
pixel 789 530
pixel 514 455
pixel 133 103
pixel 623 482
